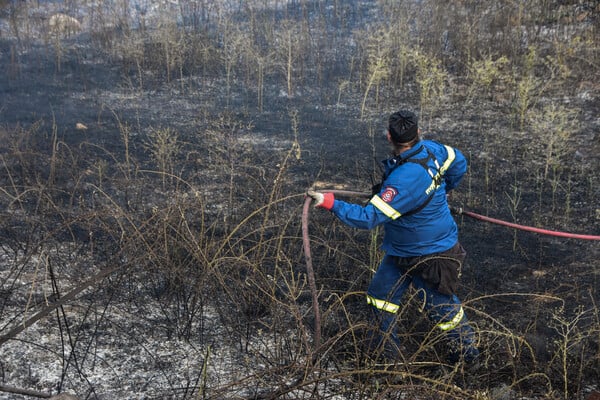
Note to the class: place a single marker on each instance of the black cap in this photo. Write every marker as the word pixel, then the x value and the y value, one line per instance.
pixel 403 126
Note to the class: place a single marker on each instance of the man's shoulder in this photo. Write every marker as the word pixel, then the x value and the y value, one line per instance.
pixel 439 148
pixel 433 144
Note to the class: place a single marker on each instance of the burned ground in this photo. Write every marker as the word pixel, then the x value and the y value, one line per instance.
pixel 170 219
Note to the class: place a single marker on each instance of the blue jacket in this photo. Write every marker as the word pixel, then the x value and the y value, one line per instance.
pixel 433 170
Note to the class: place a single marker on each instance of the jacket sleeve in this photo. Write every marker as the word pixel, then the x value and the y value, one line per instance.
pixel 358 216
pixel 456 170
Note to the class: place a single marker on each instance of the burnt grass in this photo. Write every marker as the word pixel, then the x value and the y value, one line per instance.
pixel 190 193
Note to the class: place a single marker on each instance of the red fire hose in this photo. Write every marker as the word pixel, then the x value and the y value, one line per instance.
pixel 480 217
pixel 309 266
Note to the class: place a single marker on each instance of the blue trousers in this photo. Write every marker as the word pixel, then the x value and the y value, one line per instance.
pixel 385 293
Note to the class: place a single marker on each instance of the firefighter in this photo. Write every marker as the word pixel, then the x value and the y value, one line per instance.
pixel 421 238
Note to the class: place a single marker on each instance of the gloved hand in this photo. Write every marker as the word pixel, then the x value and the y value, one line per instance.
pixel 322 200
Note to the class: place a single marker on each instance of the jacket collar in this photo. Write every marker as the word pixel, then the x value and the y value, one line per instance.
pixel 400 158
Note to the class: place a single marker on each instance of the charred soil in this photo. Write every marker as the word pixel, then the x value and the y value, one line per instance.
pixel 150 237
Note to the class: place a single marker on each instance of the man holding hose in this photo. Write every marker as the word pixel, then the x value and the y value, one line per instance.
pixel 421 237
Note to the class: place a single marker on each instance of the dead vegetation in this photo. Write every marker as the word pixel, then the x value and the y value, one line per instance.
pixel 157 253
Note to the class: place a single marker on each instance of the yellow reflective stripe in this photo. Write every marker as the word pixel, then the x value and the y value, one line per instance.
pixel 449 160
pixel 436 179
pixel 453 323
pixel 383 305
pixel 384 207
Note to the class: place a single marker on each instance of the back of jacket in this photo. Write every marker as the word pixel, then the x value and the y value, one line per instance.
pixel 425 174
